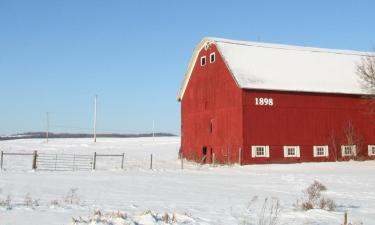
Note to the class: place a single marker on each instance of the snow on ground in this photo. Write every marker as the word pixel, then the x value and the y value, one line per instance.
pixel 195 195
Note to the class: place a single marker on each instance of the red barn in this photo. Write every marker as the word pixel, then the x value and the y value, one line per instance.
pixel 247 103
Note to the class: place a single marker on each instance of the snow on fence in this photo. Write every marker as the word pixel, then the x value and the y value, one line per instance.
pixel 59 161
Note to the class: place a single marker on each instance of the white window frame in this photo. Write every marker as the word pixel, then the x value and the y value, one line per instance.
pixel 212 54
pixel 325 149
pixel 354 153
pixel 266 151
pixel 296 151
pixel 371 150
pixel 205 60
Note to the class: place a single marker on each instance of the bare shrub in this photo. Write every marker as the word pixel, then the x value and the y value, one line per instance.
pixel 327 204
pixel 118 217
pixel 31 202
pixel 166 218
pixel 313 198
pixel 353 137
pixel 6 203
pixel 307 206
pixel 72 197
pixel 268 214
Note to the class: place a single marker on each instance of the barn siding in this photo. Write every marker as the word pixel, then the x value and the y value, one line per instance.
pixel 305 120
pixel 211 94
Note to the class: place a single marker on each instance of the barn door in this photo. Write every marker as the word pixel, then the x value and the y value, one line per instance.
pixel 204 154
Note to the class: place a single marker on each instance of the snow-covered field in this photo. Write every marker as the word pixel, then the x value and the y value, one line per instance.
pixel 195 195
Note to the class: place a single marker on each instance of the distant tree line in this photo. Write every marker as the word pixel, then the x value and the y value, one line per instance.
pixel 34 135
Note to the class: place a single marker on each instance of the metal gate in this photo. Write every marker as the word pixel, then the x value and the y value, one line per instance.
pixel 64 162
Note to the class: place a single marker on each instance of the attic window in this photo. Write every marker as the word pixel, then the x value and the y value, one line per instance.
pixel 203 60
pixel 212 57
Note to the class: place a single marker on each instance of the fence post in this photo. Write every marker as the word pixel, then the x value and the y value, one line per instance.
pixel 122 161
pixel 94 163
pixel 1 160
pixel 240 156
pixel 151 162
pixel 35 155
pixel 182 161
pixel 345 218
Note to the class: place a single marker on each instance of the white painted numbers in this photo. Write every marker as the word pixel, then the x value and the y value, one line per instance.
pixel 264 101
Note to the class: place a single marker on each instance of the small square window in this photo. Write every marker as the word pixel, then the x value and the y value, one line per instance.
pixel 291 151
pixel 320 151
pixel 212 57
pixel 348 150
pixel 371 150
pixel 260 151
pixel 203 60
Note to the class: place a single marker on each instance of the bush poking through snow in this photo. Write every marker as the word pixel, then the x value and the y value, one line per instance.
pixel 72 197
pixel 121 218
pixel 313 198
pixel 54 203
pixel 327 204
pixel 30 202
pixel 267 215
pixel 166 218
pixel 6 203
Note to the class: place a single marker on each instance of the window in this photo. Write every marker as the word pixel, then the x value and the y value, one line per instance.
pixel 203 60
pixel 260 151
pixel 348 150
pixel 320 151
pixel 371 150
pixel 212 57
pixel 291 151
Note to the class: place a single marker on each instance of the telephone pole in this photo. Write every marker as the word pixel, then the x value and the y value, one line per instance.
pixel 47 126
pixel 153 130
pixel 95 104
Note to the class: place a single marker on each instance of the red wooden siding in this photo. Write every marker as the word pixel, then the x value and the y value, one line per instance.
pixel 295 119
pixel 305 120
pixel 211 96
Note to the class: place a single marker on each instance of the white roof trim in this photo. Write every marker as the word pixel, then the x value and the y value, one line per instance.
pixel 294 68
pixel 190 68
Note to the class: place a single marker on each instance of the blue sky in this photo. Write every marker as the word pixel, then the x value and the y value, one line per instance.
pixel 56 55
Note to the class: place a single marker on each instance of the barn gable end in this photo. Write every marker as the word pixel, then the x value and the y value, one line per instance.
pixel 211 110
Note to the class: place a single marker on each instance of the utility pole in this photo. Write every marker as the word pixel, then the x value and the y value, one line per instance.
pixel 153 130
pixel 47 126
pixel 95 104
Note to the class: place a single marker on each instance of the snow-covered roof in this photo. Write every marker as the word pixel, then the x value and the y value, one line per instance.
pixel 255 65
